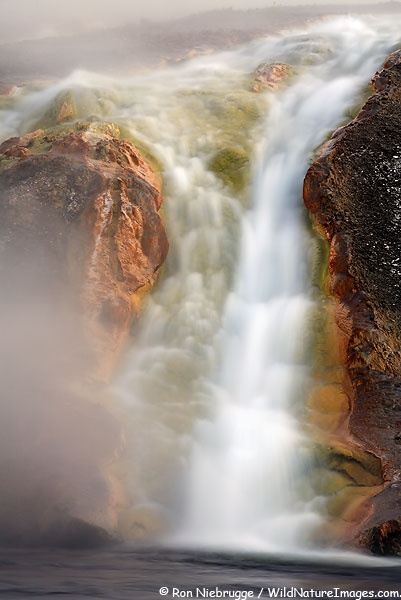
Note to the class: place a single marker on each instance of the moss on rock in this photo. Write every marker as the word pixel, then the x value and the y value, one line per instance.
pixel 363 468
pixel 231 165
pixel 326 482
pixel 77 103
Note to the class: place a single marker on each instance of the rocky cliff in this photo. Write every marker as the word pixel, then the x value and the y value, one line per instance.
pixel 81 240
pixel 79 213
pixel 353 191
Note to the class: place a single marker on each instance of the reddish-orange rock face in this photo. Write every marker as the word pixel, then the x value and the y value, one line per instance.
pixel 79 212
pixel 354 193
pixel 80 239
pixel 269 76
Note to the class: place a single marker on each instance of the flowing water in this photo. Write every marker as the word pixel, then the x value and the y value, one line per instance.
pixel 218 375
pixel 212 391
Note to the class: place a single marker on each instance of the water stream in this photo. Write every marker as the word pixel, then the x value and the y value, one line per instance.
pixel 212 391
pixel 218 382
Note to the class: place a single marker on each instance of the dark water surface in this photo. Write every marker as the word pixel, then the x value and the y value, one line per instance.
pixel 123 573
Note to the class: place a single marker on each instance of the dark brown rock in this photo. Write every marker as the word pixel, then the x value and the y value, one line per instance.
pixel 354 193
pixel 384 539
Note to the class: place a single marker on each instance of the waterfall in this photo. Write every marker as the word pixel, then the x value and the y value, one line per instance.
pixel 217 378
pixel 218 388
pixel 249 455
pixel 212 390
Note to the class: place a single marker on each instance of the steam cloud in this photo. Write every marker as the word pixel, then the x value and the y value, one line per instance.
pixel 56 441
pixel 28 19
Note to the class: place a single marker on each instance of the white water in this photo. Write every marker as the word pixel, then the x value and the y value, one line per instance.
pixel 212 390
pixel 247 462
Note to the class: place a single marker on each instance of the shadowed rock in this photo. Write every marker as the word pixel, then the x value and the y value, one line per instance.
pixel 354 193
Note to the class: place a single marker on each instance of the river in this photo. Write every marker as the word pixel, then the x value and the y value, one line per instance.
pixel 126 573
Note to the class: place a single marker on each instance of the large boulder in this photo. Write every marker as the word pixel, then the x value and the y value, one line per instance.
pixel 81 241
pixel 79 217
pixel 353 191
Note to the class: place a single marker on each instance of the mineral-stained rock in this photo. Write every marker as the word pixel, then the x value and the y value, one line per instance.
pixel 354 193
pixel 231 165
pixel 80 241
pixel 79 212
pixel 269 76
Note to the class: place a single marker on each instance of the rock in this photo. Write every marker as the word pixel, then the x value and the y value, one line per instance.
pixel 269 76
pixel 384 539
pixel 353 193
pixel 231 165
pixel 81 207
pixel 81 241
pixel 78 102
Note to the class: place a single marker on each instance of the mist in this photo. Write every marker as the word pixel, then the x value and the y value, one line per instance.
pixel 54 442
pixel 25 19
pixel 57 440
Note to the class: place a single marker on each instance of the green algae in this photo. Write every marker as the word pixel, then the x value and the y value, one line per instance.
pixel 6 162
pixel 77 103
pixel 327 483
pixel 320 276
pixel 360 467
pixel 231 165
pixel 231 119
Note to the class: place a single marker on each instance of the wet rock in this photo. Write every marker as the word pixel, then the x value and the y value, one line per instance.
pixel 231 165
pixel 384 539
pixel 361 467
pixel 329 406
pixel 81 242
pixel 79 212
pixel 353 193
pixel 75 103
pixel 269 76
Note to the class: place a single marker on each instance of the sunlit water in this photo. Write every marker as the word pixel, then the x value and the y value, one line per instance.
pixel 211 392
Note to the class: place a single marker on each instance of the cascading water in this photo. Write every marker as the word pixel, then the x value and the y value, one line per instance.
pixel 228 414
pixel 248 458
pixel 211 391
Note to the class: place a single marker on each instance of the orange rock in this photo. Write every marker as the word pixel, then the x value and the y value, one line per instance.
pixel 81 209
pixel 270 76
pixel 80 241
